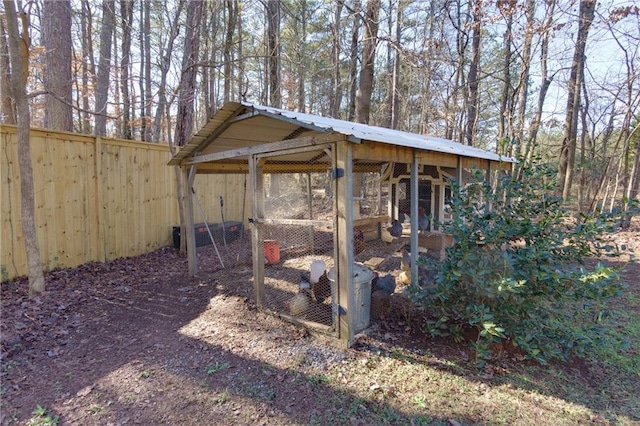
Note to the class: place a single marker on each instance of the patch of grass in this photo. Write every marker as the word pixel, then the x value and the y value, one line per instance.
pixel 8 366
pixel 420 401
pixel 260 391
pixel 145 374
pixel 94 409
pixel 41 417
pixel 318 379
pixel 222 397
pixel 212 369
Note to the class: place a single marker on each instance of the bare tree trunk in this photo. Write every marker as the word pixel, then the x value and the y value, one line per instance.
pixel 567 152
pixel 148 94
pixel 126 9
pixel 185 113
pixel 428 112
pixel 523 83
pixel 452 109
pixel 7 109
pixel 232 20
pixel 18 48
pixel 544 86
pixel 57 75
pixel 474 76
pixel 87 64
pixel 335 97
pixel 273 53
pixel 505 111
pixel 302 55
pixel 241 59
pixel 365 86
pixel 353 61
pixel 165 63
pixel 395 79
pixel 184 117
pixel 102 90
pixel 273 72
pixel 142 35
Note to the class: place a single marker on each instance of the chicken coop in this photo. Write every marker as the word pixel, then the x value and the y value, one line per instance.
pixel 320 191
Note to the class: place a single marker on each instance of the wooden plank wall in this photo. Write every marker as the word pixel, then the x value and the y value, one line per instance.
pixel 98 199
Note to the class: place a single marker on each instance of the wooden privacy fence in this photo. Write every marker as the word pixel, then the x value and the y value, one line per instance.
pixel 98 199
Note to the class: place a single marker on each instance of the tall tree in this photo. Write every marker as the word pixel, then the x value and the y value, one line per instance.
pixel 545 81
pixel 145 75
pixel 507 8
pixel 365 85
pixel 165 65
pixel 126 12
pixel 7 110
pixel 273 53
pixel 569 134
pixel 393 64
pixel 87 67
pixel 523 82
pixel 104 67
pixel 18 47
pixel 232 20
pixel 186 98
pixel 474 75
pixel 56 24
pixel 301 54
pixel 335 97
pixel 353 60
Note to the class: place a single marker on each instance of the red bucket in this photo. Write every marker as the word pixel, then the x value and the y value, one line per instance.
pixel 272 251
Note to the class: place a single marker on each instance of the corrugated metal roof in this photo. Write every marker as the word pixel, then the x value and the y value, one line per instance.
pixel 384 135
pixel 354 131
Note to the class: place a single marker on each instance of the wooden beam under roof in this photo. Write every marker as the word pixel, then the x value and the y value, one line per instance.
pixel 268 147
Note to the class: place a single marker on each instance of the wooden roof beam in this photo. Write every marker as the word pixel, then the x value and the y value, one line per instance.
pixel 268 147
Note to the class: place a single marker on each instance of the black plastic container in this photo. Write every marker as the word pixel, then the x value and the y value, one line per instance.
pixel 233 231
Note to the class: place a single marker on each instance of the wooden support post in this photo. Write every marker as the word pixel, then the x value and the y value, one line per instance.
pixel 310 208
pixel 344 247
pixel 101 255
pixel 487 179
pixel 190 234
pixel 414 218
pixel 256 182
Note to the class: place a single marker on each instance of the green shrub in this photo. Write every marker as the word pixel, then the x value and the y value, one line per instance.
pixel 516 273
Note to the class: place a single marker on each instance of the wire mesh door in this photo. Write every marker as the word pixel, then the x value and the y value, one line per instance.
pixel 297 230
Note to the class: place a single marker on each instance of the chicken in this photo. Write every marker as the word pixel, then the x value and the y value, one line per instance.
pixel 405 262
pixel 395 229
pixel 299 304
pixel 386 236
pixel 405 265
pixel 423 220
pixel 322 289
pixel 404 277
pixel 386 283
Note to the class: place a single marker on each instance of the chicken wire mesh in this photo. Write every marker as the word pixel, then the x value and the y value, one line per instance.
pixel 298 237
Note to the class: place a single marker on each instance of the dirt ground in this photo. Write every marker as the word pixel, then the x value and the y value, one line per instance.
pixel 138 341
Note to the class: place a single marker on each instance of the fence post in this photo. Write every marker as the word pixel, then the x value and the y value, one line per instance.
pixel 100 243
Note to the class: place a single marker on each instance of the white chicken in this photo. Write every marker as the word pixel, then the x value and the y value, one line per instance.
pixel 300 304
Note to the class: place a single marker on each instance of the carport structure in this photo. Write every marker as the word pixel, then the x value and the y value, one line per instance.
pixel 302 173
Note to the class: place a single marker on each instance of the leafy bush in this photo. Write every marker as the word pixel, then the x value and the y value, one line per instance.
pixel 516 272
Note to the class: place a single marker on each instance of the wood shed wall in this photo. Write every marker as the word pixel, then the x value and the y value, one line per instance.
pixel 98 199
